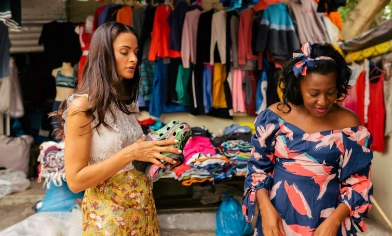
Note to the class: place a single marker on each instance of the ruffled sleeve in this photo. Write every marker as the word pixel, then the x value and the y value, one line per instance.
pixel 356 188
pixel 262 161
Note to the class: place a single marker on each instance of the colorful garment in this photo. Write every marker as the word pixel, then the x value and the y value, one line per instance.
pixel 121 205
pixel 308 175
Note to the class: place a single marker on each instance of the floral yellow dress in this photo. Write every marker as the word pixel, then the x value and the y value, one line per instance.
pixel 123 204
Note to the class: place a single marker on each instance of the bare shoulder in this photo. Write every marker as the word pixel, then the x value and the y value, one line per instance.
pixel 347 118
pixel 280 109
pixel 79 103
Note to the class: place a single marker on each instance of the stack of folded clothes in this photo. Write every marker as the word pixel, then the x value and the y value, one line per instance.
pixel 238 152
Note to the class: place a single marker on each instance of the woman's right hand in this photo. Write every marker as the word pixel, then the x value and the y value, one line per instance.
pixel 271 222
pixel 150 151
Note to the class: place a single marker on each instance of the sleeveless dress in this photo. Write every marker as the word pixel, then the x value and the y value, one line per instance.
pixel 124 203
pixel 309 175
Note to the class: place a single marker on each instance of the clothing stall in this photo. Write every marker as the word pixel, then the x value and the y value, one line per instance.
pixel 211 64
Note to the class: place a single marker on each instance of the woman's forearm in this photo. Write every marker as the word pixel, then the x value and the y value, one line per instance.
pixel 92 175
pixel 263 199
pixel 339 214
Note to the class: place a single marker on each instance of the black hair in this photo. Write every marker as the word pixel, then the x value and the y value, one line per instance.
pixel 290 85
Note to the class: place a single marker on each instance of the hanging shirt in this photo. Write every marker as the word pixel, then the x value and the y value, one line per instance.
pixel 360 87
pixel 245 37
pixel 176 22
pixel 10 14
pixel 97 13
pixel 189 37
pixel 61 44
pixel 145 35
pixel 124 15
pixel 84 40
pixel 5 46
pixel 387 66
pixel 234 27
pixel 138 19
pixel 309 25
pixel 160 36
pixel 277 29
pixel 218 36
pixel 376 112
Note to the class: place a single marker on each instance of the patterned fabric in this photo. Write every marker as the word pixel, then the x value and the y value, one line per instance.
pixel 121 205
pixel 308 175
pixel 106 142
pixel 147 69
pixel 306 60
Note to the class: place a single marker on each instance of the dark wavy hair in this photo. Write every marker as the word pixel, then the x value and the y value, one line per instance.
pixel 290 85
pixel 101 81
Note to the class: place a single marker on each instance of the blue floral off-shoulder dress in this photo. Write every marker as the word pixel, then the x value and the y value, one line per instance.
pixel 309 175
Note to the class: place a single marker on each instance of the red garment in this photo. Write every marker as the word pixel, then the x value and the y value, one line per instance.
pixel 84 40
pixel 124 15
pixel 159 46
pixel 245 37
pixel 360 86
pixel 263 4
pixel 251 105
pixel 146 122
pixel 98 12
pixel 181 169
pixel 350 102
pixel 376 113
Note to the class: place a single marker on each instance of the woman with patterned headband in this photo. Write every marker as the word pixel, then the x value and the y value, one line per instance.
pixel 310 165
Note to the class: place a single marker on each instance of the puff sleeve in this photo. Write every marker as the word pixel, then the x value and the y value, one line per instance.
pixel 356 187
pixel 262 161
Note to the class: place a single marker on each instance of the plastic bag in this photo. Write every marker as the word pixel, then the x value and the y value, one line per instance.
pixel 229 219
pixel 12 181
pixel 48 224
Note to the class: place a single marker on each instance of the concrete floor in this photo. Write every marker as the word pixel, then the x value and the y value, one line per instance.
pixel 17 207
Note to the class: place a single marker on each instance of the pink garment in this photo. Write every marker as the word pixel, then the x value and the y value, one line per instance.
pixel 218 36
pixel 351 100
pixel 188 40
pixel 198 144
pixel 238 92
pixel 245 37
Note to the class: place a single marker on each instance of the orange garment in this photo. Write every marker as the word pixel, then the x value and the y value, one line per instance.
pixel 218 90
pixel 191 181
pixel 159 46
pixel 124 15
pixel 335 17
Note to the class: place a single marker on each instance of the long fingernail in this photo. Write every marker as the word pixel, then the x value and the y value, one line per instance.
pixel 179 151
pixel 176 141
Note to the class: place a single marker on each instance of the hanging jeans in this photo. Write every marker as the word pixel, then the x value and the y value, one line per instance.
pixel 207 85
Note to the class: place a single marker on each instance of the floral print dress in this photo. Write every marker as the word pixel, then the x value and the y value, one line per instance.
pixel 309 175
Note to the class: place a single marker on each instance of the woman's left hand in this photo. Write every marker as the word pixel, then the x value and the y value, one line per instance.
pixel 327 228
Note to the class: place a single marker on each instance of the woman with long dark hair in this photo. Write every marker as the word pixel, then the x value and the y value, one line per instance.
pixel 102 138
